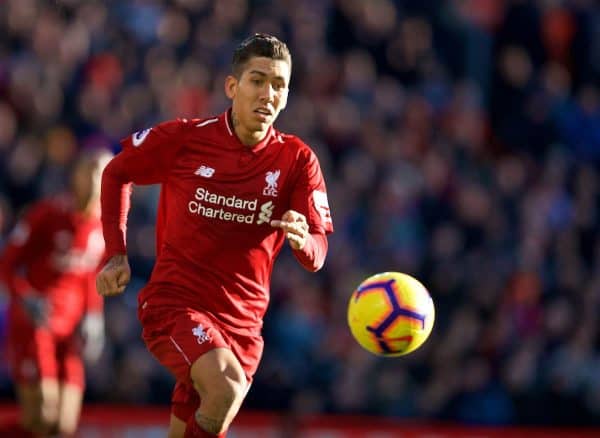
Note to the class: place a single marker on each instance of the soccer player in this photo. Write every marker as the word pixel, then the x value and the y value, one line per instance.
pixel 234 189
pixel 49 267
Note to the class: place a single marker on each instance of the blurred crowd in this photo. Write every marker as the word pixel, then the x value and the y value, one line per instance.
pixel 461 144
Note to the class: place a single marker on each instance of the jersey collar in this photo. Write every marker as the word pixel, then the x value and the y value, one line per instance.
pixel 235 141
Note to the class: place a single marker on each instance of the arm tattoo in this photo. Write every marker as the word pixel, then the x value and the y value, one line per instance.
pixel 117 260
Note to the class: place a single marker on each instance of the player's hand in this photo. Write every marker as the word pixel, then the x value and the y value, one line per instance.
pixel 37 308
pixel 92 332
pixel 295 226
pixel 114 276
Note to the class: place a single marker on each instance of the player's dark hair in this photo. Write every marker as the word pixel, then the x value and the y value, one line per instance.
pixel 259 45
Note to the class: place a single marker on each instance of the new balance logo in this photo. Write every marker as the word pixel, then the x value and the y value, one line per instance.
pixel 265 213
pixel 201 335
pixel 205 171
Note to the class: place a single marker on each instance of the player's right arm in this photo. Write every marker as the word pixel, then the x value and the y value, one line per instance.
pixel 146 158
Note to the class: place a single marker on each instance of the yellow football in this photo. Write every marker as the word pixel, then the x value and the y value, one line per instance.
pixel 391 314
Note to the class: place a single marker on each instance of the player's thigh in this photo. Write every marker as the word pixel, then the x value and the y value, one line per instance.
pixel 219 378
pixel 218 371
pixel 177 339
pixel 71 397
pixel 176 427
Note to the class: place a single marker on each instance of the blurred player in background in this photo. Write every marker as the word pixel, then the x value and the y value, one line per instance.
pixel 49 266
pixel 233 190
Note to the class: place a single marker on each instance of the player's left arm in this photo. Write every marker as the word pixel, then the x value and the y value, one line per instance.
pixel 308 222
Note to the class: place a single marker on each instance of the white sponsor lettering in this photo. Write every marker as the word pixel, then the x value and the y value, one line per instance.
pixel 217 206
pixel 229 201
pixel 219 213
pixel 266 211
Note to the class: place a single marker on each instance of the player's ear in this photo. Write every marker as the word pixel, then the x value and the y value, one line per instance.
pixel 230 86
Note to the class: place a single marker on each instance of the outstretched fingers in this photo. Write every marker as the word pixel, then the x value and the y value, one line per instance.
pixel 295 226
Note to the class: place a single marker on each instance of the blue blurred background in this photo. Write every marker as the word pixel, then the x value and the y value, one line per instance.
pixel 461 144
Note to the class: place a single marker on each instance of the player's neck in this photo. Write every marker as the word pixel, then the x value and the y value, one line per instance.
pixel 251 138
pixel 247 137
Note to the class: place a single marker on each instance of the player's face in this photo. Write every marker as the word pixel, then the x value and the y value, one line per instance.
pixel 258 95
pixel 87 177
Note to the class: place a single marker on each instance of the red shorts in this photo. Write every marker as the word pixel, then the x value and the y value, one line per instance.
pixel 178 337
pixel 35 354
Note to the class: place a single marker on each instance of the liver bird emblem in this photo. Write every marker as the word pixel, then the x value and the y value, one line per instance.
pixel 271 178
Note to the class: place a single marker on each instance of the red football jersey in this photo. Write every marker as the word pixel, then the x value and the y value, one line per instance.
pixel 55 251
pixel 216 247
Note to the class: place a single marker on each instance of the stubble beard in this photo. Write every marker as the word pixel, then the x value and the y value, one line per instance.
pixel 235 121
